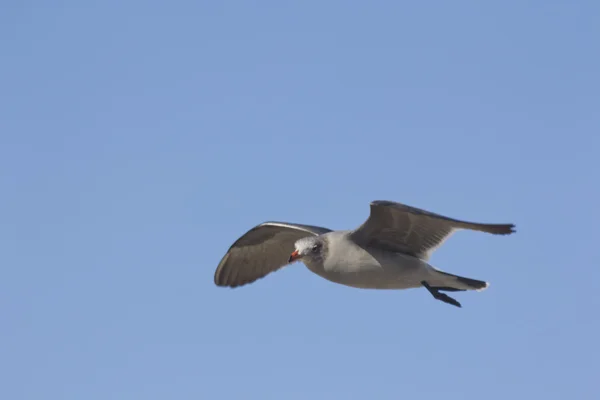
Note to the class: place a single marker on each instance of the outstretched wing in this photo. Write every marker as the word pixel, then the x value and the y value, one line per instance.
pixel 401 228
pixel 260 251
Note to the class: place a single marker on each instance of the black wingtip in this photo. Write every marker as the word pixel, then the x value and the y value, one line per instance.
pixel 498 229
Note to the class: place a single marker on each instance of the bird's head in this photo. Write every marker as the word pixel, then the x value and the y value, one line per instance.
pixel 308 249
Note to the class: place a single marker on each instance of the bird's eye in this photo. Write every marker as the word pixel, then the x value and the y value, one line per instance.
pixel 316 248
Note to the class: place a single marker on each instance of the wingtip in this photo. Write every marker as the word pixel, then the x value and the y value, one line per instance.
pixel 227 284
pixel 218 282
pixel 217 278
pixel 502 229
pixel 223 275
pixel 487 285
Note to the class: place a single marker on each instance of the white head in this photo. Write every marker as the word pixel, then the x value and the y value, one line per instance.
pixel 309 249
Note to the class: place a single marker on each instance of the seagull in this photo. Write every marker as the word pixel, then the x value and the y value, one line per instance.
pixel 390 250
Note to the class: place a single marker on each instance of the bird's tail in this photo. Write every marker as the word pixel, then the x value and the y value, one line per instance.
pixel 455 283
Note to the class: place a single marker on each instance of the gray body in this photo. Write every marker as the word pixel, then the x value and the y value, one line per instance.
pixel 370 268
pixel 390 250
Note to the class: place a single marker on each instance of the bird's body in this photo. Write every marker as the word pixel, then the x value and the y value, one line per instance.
pixel 366 268
pixel 391 250
pixel 374 268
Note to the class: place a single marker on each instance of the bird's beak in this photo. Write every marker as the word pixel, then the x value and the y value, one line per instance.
pixel 294 256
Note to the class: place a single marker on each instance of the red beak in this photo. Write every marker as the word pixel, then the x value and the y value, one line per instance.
pixel 294 256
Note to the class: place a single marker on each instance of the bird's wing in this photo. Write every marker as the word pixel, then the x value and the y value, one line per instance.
pixel 260 251
pixel 401 228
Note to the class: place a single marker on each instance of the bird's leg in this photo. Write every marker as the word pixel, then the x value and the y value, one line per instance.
pixel 440 296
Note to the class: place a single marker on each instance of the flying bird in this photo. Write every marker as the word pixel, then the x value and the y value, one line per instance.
pixel 390 250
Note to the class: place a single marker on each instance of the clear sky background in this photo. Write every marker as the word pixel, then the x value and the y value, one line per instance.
pixel 139 139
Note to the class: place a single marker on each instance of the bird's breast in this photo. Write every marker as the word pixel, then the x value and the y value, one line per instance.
pixel 370 268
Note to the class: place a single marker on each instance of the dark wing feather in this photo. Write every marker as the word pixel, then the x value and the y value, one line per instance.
pixel 260 251
pixel 401 228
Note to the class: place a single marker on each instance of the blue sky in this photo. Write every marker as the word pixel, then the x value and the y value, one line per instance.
pixel 138 140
